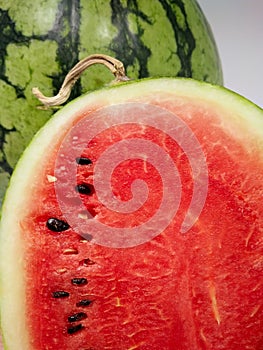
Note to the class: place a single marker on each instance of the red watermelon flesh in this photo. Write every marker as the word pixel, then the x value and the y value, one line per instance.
pixel 193 278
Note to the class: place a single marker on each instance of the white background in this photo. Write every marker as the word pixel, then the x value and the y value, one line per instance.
pixel 237 26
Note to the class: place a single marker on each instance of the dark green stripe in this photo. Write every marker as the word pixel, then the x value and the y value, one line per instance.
pixel 66 33
pixel 9 34
pixel 183 36
pixel 67 16
pixel 128 46
pixel 3 163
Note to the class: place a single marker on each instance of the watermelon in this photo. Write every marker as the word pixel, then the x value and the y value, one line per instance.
pixel 41 40
pixel 134 221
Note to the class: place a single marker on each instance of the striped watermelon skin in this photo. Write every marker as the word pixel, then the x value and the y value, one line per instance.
pixel 41 40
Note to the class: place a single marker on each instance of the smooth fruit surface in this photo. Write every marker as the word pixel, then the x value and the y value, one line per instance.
pixel 169 254
pixel 41 41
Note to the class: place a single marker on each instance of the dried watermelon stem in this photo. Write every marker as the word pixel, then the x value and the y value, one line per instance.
pixel 114 65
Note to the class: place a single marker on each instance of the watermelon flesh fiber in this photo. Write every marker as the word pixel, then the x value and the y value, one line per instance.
pixel 198 290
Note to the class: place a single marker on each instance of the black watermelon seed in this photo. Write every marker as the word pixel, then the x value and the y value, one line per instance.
pixel 77 317
pixel 84 302
pixel 79 281
pixel 57 225
pixel 74 329
pixel 60 294
pixel 84 189
pixel 83 161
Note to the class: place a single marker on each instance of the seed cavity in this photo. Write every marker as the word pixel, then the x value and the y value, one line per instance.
pixel 83 216
pixel 84 302
pixel 79 281
pixel 51 178
pixel 84 189
pixel 87 262
pixel 57 225
pixel 83 161
pixel 77 317
pixel 61 271
pixel 60 294
pixel 74 329
pixel 88 236
pixel 70 251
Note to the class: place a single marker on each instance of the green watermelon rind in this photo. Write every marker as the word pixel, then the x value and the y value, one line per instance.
pixel 246 117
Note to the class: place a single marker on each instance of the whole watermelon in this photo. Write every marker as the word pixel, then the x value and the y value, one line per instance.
pixel 41 40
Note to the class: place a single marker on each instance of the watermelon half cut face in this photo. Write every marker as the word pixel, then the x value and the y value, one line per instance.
pixel 134 221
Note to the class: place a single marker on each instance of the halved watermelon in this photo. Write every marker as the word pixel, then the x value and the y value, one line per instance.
pixel 134 220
